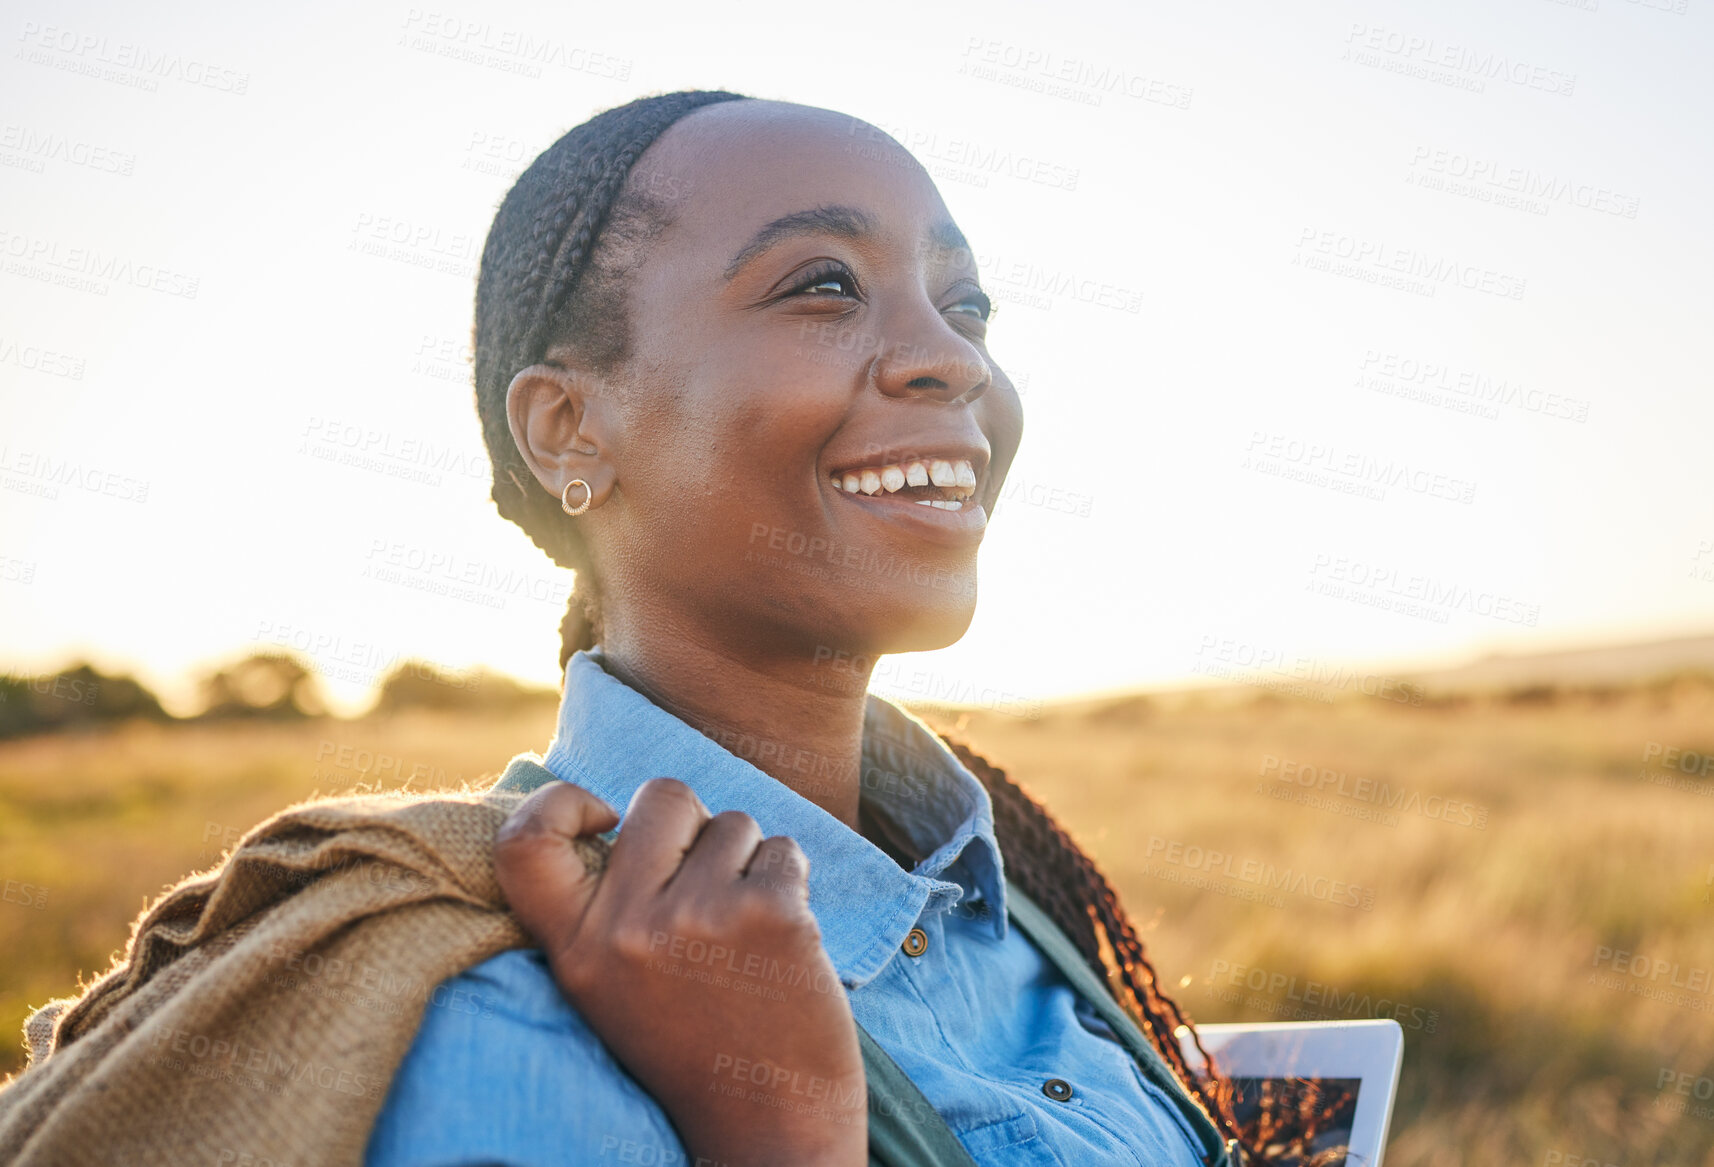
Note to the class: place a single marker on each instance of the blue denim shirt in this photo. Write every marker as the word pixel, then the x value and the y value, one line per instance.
pixel 980 1020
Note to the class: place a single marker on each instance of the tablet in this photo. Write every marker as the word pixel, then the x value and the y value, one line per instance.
pixel 1354 1061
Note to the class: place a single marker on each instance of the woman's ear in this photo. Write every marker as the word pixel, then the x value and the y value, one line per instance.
pixel 556 418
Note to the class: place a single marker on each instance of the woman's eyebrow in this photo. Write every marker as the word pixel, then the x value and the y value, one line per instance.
pixel 832 219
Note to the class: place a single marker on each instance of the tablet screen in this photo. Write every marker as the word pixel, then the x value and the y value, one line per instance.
pixel 1333 1098
pixel 1341 1074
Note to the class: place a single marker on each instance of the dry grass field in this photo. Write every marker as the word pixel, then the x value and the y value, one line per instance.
pixel 1524 881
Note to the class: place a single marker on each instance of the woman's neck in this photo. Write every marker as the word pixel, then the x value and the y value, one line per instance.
pixel 799 721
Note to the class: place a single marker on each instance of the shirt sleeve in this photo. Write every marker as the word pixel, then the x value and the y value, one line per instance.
pixel 504 1071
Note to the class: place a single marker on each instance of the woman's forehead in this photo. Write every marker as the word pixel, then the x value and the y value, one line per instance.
pixel 735 167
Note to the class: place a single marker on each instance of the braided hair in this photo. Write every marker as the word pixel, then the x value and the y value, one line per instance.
pixel 554 271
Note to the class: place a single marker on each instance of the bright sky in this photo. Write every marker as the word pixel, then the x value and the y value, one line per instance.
pixel 1315 308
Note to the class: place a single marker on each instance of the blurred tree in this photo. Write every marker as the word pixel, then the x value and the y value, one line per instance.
pixel 419 684
pixel 273 685
pixel 81 695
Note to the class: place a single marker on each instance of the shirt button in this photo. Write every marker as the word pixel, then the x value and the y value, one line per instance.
pixel 916 942
pixel 1057 1089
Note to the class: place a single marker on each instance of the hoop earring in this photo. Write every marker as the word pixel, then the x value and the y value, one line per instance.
pixel 565 497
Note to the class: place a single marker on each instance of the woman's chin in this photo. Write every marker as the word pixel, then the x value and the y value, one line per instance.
pixel 925 626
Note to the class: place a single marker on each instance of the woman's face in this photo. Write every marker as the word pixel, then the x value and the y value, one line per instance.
pixel 808 343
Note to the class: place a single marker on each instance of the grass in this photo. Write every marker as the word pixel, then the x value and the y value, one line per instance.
pixel 1521 1038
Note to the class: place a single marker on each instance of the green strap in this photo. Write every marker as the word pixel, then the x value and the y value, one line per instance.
pixel 1054 944
pixel 905 1130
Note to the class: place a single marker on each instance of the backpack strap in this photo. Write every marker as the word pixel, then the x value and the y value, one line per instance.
pixel 905 1130
pixel 1058 948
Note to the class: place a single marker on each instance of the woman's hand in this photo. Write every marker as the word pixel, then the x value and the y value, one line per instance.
pixel 696 959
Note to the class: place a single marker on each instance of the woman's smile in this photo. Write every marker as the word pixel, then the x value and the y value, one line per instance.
pixel 933 495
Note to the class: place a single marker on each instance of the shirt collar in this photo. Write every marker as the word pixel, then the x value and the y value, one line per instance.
pixel 611 739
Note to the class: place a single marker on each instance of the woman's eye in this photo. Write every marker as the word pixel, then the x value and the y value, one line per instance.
pixel 976 304
pixel 830 283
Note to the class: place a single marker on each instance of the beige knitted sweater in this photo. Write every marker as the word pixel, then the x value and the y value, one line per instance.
pixel 261 1009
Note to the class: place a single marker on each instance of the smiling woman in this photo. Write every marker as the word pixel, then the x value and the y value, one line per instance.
pixel 735 374
pixel 758 416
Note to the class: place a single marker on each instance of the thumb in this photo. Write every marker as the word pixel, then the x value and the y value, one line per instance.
pixel 548 860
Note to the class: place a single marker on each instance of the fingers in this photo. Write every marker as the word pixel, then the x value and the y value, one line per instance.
pixel 539 871
pixel 721 851
pixel 780 867
pixel 661 824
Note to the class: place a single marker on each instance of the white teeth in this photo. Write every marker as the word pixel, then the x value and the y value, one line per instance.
pixel 941 504
pixel 940 473
pixel 916 474
pixel 870 482
pixel 853 484
pixel 892 478
pixel 965 472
